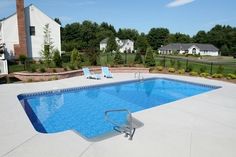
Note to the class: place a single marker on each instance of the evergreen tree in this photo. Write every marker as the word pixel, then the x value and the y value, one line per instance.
pixel 118 58
pixel 47 53
pixel 138 58
pixel 224 50
pixel 149 59
pixel 57 58
pixel 75 58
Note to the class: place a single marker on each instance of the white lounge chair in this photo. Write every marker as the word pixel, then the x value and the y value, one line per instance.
pixel 90 75
pixel 106 72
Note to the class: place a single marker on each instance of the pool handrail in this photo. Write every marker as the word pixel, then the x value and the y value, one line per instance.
pixel 128 129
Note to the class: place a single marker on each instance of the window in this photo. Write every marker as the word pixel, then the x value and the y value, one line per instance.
pixel 32 30
pixel 194 51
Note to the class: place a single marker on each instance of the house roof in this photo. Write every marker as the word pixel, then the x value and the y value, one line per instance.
pixel 182 46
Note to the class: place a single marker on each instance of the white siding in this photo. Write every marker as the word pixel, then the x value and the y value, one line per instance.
pixel 128 46
pixel 10 35
pixel 103 46
pixel 123 45
pixel 35 17
pixel 209 53
pixel 3 67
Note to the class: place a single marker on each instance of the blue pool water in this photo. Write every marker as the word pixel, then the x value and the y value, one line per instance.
pixel 82 109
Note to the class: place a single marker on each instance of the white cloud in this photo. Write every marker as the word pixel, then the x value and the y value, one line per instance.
pixel 177 3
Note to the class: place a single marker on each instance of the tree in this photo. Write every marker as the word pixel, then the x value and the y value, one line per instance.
pixel 118 58
pixel 224 50
pixel 57 58
pixel 138 58
pixel 92 56
pixel 57 20
pixel 111 44
pixel 131 34
pixel 142 43
pixel 46 53
pixel 158 37
pixel 75 58
pixel 200 37
pixel 179 38
pixel 149 59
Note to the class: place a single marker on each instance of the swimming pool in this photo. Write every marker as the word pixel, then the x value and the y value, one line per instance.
pixel 82 109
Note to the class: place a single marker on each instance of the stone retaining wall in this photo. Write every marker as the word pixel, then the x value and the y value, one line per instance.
pixel 26 76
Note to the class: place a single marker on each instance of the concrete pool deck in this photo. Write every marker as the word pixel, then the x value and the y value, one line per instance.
pixel 200 126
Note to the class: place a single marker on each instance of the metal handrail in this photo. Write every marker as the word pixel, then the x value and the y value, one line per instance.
pixel 127 128
pixel 138 76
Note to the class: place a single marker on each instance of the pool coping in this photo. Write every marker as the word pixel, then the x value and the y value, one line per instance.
pixel 19 139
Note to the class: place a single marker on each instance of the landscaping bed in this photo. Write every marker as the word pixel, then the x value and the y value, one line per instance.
pixel 216 76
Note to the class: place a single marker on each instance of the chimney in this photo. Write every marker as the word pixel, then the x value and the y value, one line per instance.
pixel 20 48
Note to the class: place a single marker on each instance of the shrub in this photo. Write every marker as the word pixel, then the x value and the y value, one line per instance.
pixel 54 70
pixel 220 69
pixel 171 70
pixel 57 58
pixel 193 73
pixel 159 68
pixel 22 59
pixel 172 63
pixel 40 61
pixel 66 57
pixel 231 76
pixel 204 74
pixel 42 70
pixel 65 68
pixel 203 69
pixel 217 76
pixel 118 58
pixel 162 62
pixel 152 69
pixel 75 59
pixel 189 68
pixel 72 67
pixel 33 69
pixel 181 71
pixel 149 59
pixel 138 58
pixel 179 65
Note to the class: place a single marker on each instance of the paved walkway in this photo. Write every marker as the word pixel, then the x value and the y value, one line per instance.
pixel 200 126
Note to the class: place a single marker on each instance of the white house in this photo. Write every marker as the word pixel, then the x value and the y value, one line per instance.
pixel 23 32
pixel 123 45
pixel 193 48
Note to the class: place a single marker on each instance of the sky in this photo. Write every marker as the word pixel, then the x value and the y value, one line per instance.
pixel 184 16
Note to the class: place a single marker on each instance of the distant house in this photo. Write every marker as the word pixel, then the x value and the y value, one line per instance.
pixel 23 32
pixel 193 48
pixel 123 45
